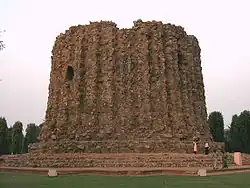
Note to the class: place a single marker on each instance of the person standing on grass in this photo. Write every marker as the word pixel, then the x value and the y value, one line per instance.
pixel 195 147
pixel 206 148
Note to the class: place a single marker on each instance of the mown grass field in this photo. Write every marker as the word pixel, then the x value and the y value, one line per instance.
pixel 17 180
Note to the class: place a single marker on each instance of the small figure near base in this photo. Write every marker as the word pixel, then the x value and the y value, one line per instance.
pixel 206 148
pixel 195 147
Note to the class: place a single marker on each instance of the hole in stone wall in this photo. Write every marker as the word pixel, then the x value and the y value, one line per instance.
pixel 70 73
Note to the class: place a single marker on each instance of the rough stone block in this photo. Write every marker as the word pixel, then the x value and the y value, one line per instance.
pixel 202 172
pixel 237 158
pixel 52 173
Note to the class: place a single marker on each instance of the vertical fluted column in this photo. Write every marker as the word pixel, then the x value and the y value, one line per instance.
pixel 89 117
pixel 187 54
pixel 68 88
pixel 141 82
pixel 83 40
pixel 186 68
pixel 170 97
pixel 157 77
pixel 130 69
pixel 120 74
pixel 175 108
pixel 74 85
pixel 106 50
pixel 201 102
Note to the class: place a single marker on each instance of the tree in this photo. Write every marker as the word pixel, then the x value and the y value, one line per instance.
pixel 235 135
pixel 216 124
pixel 39 128
pixel 3 136
pixel 228 140
pixel 17 138
pixel 9 140
pixel 32 132
pixel 240 132
pixel 244 120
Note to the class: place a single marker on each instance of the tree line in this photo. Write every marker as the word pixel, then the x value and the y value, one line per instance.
pixel 236 136
pixel 12 139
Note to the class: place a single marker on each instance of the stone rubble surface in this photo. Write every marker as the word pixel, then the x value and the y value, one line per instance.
pixel 133 90
pixel 126 160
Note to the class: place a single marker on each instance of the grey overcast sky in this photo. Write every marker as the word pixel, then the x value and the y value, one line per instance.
pixel 222 27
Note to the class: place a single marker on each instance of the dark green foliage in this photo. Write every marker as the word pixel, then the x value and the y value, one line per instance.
pixel 235 135
pixel 240 132
pixel 17 138
pixel 32 132
pixel 228 140
pixel 225 159
pixel 9 139
pixel 216 124
pixel 3 136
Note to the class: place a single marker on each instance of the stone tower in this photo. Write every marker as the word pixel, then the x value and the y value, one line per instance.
pixel 125 90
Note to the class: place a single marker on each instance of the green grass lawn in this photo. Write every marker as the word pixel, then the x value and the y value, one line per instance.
pixel 17 180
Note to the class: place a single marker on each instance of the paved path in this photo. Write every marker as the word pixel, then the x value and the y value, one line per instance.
pixel 228 172
pixel 128 171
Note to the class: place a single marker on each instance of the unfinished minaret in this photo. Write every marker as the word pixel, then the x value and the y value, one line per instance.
pixel 125 90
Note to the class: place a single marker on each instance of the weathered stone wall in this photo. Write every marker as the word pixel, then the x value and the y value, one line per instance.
pixel 121 146
pixel 125 160
pixel 143 83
